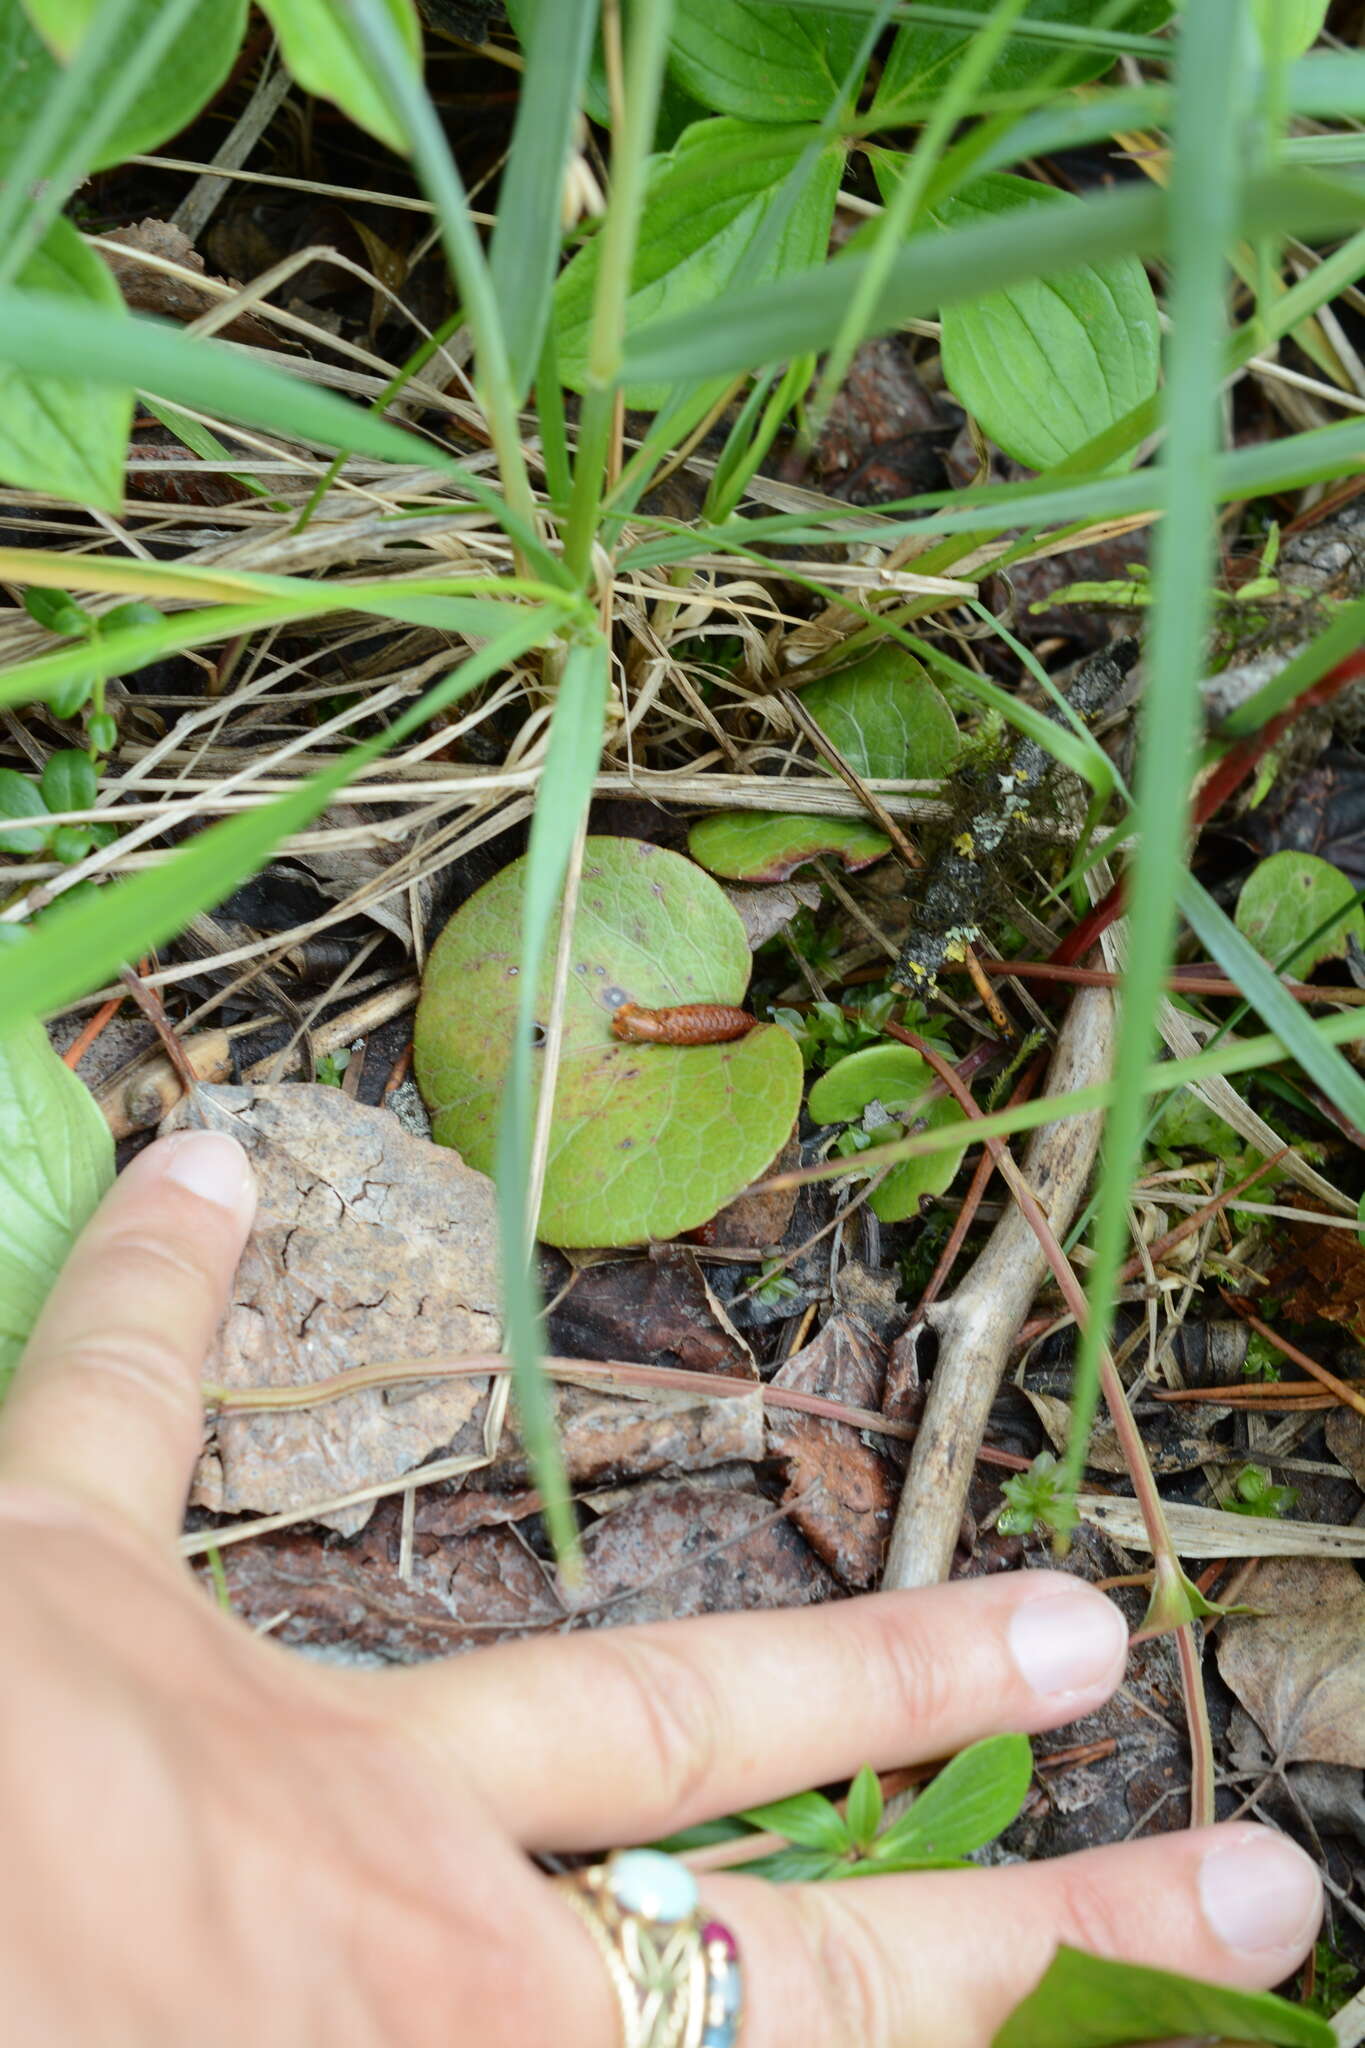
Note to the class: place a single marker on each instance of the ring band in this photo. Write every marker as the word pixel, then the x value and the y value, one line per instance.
pixel 677 1977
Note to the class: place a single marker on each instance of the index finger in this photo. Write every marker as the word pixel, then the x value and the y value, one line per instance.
pixel 105 1406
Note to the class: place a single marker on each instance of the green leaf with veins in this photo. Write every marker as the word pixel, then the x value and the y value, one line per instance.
pixel 807 1819
pixel 56 1160
pixel 767 846
pixel 973 1799
pixel 325 54
pixel 1286 902
pixel 886 717
pixel 60 434
pixel 922 56
pixel 1046 364
pixel 647 1140
pixel 706 206
pixel 762 61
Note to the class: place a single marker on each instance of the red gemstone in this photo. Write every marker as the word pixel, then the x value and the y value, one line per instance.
pixel 716 1935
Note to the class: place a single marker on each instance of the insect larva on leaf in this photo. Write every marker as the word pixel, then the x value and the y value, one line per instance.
pixel 682 1024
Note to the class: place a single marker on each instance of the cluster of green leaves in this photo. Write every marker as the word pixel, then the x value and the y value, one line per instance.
pixel 1255 1493
pixel 826 1033
pixel 971 1801
pixel 68 783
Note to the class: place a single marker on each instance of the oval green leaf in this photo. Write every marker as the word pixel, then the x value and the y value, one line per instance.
pixel 326 56
pixel 767 846
pixel 886 717
pixel 56 1160
pixel 1045 365
pixel 1284 902
pixel 1288 27
pixel 61 435
pixel 760 61
pixel 922 57
pixel 200 57
pixel 706 208
pixel 971 1801
pixel 647 1140
pixel 1086 2002
pixel 68 781
pixel 20 797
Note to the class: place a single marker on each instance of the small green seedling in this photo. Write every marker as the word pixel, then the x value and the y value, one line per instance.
pixel 1255 1493
pixel 1035 1500
pixel 825 1035
pixel 60 613
pixel 971 1801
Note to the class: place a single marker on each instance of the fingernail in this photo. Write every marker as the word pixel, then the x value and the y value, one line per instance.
pixel 1068 1642
pixel 1260 1893
pixel 212 1166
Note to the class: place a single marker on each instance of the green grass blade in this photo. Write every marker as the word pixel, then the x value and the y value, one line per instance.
pixel 1261 985
pixel 47 336
pixel 77 946
pixel 951 107
pixel 1211 81
pixel 801 313
pixel 417 117
pixel 524 252
pixel 565 790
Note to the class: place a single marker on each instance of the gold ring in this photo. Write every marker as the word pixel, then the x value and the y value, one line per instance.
pixel 676 1976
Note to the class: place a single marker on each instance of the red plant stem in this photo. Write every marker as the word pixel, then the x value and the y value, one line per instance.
pixel 1352 1396
pixel 1194 979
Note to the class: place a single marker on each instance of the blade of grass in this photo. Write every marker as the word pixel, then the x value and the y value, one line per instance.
pixel 1212 78
pixel 631 142
pixel 56 152
pixel 951 107
pixel 565 790
pixel 524 252
pixel 417 117
pixel 76 946
pixel 804 312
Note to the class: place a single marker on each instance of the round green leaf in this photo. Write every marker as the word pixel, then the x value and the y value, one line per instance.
pixel 896 1077
pixel 647 1140
pixel 58 434
pixel 885 717
pixel 767 846
pixel 893 1075
pixel 1283 902
pixel 199 59
pixel 20 797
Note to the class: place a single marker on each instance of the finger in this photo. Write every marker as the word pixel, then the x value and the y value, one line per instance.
pixel 105 1405
pixel 942 1958
pixel 655 1728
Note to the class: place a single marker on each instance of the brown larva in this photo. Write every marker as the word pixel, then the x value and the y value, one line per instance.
pixel 682 1024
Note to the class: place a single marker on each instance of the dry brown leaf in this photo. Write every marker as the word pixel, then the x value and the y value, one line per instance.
pixel 843 1491
pixel 368 1245
pixel 174 298
pixel 1324 1275
pixel 1298 1665
pixel 1345 1433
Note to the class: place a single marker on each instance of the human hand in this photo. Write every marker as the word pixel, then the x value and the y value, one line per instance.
pixel 210 1839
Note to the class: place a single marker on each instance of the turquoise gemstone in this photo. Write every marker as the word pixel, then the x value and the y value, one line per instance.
pixel 655 1886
